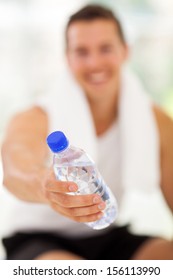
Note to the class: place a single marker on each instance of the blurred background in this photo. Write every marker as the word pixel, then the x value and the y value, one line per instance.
pixel 32 53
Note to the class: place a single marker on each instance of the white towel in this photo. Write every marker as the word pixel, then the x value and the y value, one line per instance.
pixel 69 111
pixel 140 147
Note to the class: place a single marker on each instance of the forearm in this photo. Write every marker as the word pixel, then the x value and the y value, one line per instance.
pixel 23 172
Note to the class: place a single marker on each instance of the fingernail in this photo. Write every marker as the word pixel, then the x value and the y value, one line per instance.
pixel 96 199
pixel 101 206
pixel 100 215
pixel 72 188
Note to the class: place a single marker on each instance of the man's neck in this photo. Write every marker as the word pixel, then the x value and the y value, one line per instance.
pixel 104 113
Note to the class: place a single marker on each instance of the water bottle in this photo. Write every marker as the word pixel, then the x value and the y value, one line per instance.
pixel 73 164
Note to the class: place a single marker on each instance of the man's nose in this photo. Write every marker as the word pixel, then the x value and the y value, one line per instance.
pixel 94 61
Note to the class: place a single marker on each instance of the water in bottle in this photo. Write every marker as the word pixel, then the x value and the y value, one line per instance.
pixel 73 164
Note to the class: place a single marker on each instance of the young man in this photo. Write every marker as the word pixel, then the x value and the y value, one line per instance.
pixel 96 52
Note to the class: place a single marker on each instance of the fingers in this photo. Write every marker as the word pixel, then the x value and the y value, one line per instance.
pixel 69 201
pixel 52 185
pixel 61 187
pixel 82 214
pixel 80 211
pixel 81 208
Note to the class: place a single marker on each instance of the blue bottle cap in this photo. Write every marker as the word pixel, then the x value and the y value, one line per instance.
pixel 57 141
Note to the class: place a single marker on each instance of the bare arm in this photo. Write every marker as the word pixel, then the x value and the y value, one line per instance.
pixel 165 125
pixel 24 153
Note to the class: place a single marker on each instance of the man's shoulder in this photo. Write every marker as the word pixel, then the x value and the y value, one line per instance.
pixel 165 127
pixel 165 124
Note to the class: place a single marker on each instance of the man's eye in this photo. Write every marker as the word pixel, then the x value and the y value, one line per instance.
pixel 106 49
pixel 82 53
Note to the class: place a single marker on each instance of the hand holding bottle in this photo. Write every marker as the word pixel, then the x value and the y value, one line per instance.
pixel 81 208
pixel 73 164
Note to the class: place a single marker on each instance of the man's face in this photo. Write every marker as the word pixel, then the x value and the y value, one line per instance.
pixel 95 55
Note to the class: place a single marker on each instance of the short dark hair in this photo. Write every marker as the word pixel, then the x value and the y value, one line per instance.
pixel 93 12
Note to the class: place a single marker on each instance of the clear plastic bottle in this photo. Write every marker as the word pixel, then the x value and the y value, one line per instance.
pixel 73 164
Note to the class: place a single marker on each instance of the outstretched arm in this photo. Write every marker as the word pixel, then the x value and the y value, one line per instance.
pixel 24 153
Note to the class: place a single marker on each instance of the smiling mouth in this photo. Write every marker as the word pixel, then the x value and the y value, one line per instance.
pixel 97 78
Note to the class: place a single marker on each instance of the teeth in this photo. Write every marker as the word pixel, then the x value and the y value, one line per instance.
pixel 98 77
